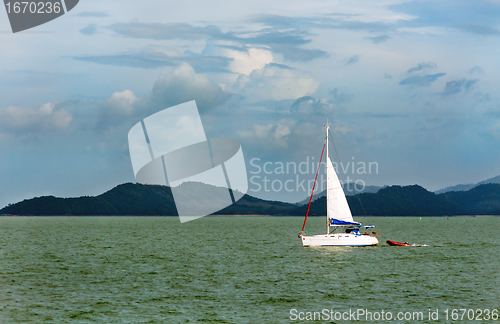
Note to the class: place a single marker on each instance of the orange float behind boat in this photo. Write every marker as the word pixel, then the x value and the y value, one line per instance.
pixel 397 243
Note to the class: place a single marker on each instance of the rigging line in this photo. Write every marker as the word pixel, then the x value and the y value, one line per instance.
pixel 333 142
pixel 338 157
pixel 309 230
pixel 359 199
pixel 310 199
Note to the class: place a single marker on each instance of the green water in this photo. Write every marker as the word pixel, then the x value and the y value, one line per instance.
pixel 238 270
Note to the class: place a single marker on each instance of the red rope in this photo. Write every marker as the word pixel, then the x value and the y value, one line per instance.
pixel 312 193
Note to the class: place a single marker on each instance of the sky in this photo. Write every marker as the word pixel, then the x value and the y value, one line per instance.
pixel 408 87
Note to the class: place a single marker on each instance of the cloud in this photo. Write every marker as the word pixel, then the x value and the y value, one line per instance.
pixel 424 80
pixel 181 85
pixel 268 136
pixel 310 105
pixel 294 53
pixel 332 21
pixel 282 21
pixel 168 31
pixel 48 118
pixel 456 86
pixel 184 84
pixel 273 83
pixel 422 66
pixel 89 30
pixel 378 39
pixel 387 76
pixel 118 108
pixel 153 57
pixel 280 66
pixel 94 14
pixel 285 42
pixel 353 59
pixel 241 59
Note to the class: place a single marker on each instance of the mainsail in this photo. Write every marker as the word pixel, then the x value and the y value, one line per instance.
pixel 337 208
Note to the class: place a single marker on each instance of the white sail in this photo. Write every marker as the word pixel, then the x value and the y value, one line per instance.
pixel 336 203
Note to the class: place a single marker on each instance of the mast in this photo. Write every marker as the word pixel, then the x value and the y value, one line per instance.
pixel 327 175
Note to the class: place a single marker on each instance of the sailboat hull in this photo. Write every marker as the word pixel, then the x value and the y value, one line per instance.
pixel 339 239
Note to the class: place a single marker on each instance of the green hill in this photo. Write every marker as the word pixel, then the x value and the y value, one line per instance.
pixel 143 200
pixel 417 201
pixel 136 200
pixel 480 200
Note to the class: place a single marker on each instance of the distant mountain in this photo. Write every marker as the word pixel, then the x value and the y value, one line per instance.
pixel 464 187
pixel 125 199
pixel 145 200
pixel 481 200
pixel 136 200
pixel 416 201
pixel 349 190
pixel 393 201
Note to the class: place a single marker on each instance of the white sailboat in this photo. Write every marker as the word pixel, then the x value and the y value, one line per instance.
pixel 345 232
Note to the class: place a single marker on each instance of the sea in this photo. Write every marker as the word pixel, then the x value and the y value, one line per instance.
pixel 246 270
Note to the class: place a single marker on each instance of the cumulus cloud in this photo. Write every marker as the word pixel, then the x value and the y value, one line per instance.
pixel 457 86
pixel 181 85
pixel 273 83
pixel 421 80
pixel 246 62
pixel 269 135
pixel 46 119
pixel 117 108
pixel 241 59
pixel 184 84
pixel 122 102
